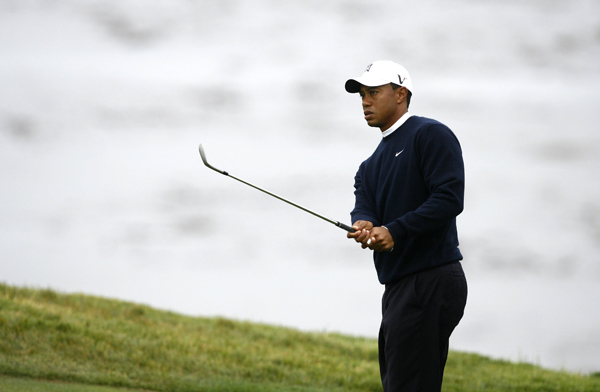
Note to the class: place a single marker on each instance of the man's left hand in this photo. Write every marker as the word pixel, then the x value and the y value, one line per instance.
pixel 380 240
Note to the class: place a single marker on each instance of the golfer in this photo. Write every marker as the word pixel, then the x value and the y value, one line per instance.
pixel 408 194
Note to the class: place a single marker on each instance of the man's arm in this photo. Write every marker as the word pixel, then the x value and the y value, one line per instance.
pixel 369 236
pixel 443 172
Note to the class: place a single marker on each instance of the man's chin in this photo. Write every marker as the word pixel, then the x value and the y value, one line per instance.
pixel 372 123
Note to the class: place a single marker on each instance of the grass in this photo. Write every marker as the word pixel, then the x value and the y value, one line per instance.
pixel 13 384
pixel 91 341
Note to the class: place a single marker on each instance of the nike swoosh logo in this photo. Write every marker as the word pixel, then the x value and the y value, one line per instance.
pixel 398 153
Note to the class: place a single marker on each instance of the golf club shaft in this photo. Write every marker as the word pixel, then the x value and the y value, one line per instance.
pixel 338 224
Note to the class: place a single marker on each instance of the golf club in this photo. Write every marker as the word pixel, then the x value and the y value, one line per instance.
pixel 338 224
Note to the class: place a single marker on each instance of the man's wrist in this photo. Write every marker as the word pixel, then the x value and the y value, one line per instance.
pixel 392 248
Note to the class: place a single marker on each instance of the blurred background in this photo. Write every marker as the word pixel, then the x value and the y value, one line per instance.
pixel 104 102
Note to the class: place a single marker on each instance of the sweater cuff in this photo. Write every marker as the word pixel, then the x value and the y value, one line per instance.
pixel 396 230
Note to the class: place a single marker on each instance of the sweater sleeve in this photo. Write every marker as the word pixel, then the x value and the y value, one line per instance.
pixel 442 169
pixel 363 207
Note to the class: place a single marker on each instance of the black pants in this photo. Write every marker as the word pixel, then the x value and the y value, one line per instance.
pixel 419 314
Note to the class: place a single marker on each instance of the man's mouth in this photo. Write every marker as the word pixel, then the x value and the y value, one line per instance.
pixel 368 115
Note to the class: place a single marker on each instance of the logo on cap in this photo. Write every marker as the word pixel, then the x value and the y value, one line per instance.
pixel 401 79
pixel 368 67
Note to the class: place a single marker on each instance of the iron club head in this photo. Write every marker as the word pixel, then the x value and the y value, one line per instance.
pixel 203 156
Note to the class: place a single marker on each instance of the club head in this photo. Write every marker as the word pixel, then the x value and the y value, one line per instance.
pixel 203 156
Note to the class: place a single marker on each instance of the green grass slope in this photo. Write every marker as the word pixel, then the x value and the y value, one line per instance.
pixel 14 384
pixel 52 336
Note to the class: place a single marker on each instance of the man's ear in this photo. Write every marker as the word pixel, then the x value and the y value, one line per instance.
pixel 401 94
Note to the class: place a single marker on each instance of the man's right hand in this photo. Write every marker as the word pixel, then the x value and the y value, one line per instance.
pixel 362 233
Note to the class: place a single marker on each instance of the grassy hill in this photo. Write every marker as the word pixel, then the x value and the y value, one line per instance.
pixel 52 336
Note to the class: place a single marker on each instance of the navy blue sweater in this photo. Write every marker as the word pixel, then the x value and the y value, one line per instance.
pixel 413 184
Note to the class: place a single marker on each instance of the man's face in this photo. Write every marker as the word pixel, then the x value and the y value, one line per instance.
pixel 382 105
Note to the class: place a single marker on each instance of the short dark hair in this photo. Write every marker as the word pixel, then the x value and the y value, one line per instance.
pixel 408 93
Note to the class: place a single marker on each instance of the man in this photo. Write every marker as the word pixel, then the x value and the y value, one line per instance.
pixel 408 194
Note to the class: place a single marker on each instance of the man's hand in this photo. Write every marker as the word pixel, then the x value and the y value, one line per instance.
pixel 378 239
pixel 381 240
pixel 362 233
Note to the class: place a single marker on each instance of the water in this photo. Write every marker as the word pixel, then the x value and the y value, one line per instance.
pixel 103 104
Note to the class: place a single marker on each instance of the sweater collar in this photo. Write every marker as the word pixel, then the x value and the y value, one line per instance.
pixel 397 125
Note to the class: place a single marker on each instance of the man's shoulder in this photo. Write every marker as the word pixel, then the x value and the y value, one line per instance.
pixel 428 127
pixel 423 122
pixel 428 131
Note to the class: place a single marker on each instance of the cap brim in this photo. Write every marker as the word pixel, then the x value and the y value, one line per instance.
pixel 354 85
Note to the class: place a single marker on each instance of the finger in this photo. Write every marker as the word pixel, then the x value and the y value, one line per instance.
pixel 366 241
pixel 353 235
pixel 364 237
pixel 374 243
pixel 358 234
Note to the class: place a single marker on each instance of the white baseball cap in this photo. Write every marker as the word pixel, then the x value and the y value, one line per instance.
pixel 380 73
